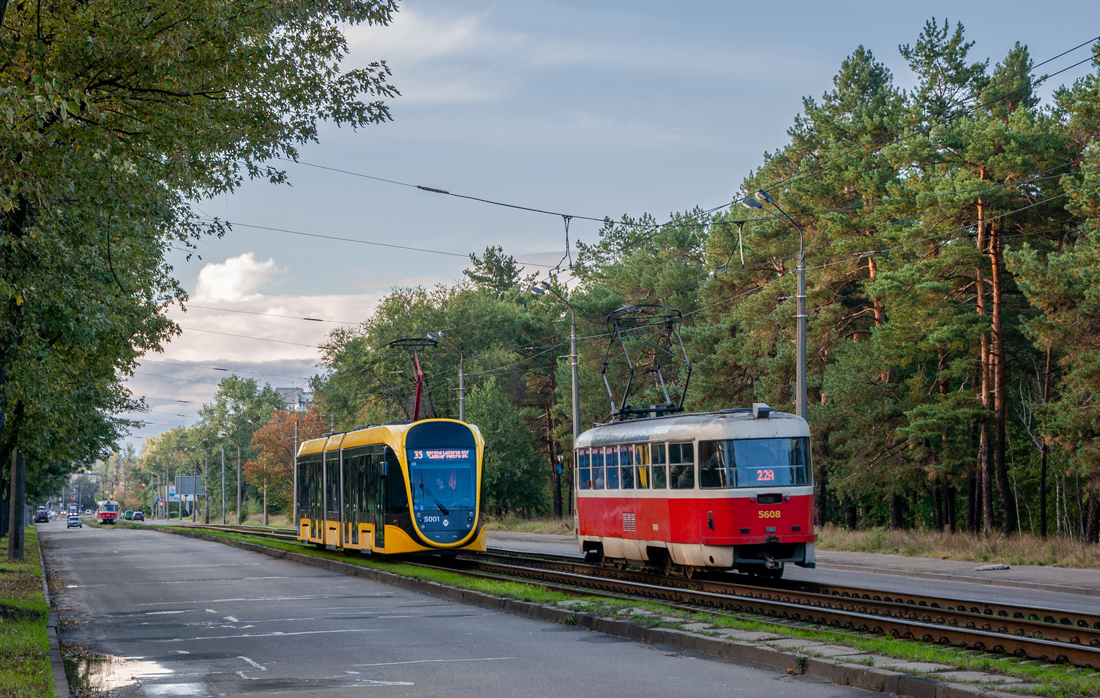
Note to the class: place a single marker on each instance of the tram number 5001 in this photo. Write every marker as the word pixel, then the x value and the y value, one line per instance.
pixel 765 475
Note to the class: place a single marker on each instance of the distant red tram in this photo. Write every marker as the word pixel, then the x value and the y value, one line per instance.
pixel 107 511
pixel 718 490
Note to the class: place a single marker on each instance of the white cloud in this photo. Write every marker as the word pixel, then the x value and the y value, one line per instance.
pixel 235 279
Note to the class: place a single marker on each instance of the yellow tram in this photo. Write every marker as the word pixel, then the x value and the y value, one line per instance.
pixel 393 488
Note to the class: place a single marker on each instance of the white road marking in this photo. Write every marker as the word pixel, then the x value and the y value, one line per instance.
pixel 276 634
pixel 433 661
pixel 231 619
pixel 250 678
pixel 255 664
pixel 261 598
pixel 181 651
pixel 210 610
pixel 174 689
pixel 162 613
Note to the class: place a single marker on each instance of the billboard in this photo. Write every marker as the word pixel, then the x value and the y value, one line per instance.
pixel 188 487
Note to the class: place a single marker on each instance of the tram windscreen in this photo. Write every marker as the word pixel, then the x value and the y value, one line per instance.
pixel 442 459
pixel 735 463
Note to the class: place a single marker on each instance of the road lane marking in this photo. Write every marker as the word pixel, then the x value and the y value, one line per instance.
pixel 434 661
pixel 231 619
pixel 254 635
pixel 255 664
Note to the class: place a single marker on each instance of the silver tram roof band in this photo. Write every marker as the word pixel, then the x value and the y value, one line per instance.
pixel 758 422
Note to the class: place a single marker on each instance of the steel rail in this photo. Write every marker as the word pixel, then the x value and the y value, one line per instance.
pixel 867 622
pixel 1086 624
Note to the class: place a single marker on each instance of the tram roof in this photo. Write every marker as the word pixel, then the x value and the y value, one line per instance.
pixel 730 424
pixel 391 434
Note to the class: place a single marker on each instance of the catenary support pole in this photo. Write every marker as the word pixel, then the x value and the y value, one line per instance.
pixel 239 483
pixel 223 485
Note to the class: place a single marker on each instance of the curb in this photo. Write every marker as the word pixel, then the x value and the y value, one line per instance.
pixel 1082 591
pixel 53 623
pixel 863 678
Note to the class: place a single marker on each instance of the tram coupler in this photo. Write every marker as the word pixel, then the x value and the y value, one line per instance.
pixel 770 563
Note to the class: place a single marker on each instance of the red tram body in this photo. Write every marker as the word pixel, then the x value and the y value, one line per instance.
pixel 107 511
pixel 720 490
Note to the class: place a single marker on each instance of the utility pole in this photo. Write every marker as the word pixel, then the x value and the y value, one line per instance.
pixel 206 486
pixel 294 475
pixel 194 490
pixel 239 483
pixel 223 485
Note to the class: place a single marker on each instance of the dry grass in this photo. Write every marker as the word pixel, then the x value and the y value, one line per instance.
pixel 515 523
pixel 1013 550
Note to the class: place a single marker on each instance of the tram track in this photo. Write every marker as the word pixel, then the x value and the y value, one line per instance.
pixel 1020 631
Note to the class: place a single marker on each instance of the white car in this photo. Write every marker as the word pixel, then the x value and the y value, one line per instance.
pixel 74 520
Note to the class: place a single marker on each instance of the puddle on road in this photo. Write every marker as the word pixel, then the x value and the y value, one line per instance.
pixel 98 674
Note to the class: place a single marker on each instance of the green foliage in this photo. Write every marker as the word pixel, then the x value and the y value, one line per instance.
pixel 513 477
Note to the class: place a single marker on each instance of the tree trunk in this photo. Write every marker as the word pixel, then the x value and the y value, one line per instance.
pixel 1043 450
pixel 897 512
pixel 937 506
pixel 973 500
pixel 985 462
pixel 850 518
pixel 17 512
pixel 949 507
pixel 1092 519
pixel 1009 522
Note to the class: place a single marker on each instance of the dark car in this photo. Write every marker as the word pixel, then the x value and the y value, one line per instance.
pixel 41 516
pixel 138 516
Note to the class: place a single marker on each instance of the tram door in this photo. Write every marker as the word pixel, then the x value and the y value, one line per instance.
pixel 351 497
pixel 380 468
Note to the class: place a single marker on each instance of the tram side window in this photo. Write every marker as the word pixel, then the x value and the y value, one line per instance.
pixel 597 469
pixel 681 466
pixel 657 454
pixel 626 463
pixel 641 464
pixel 332 483
pixel 611 460
pixel 584 469
pixel 396 496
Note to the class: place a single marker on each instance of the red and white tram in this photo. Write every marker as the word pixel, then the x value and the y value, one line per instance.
pixel 106 511
pixel 718 490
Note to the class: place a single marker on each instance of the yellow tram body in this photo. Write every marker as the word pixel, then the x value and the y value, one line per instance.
pixel 366 490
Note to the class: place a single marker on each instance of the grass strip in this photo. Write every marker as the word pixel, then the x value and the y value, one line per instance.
pixel 1017 549
pixel 1053 681
pixel 24 640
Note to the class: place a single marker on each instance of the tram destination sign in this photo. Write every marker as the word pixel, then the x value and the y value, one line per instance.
pixel 442 454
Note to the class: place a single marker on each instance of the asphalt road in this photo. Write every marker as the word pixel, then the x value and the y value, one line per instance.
pixel 175 616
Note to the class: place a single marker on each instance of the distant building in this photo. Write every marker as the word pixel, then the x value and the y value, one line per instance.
pixel 295 399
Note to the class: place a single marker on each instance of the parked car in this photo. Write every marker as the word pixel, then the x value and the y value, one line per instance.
pixel 128 515
pixel 138 516
pixel 74 521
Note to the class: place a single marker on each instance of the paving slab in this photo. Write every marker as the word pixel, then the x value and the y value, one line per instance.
pixel 692 627
pixel 746 635
pixel 979 677
pixel 834 651
pixel 795 643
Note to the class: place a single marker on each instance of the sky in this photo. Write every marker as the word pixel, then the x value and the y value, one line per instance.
pixel 588 109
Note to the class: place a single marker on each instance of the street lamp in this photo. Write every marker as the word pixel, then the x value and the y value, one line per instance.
pixel 541 289
pixel 763 197
pixel 441 336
